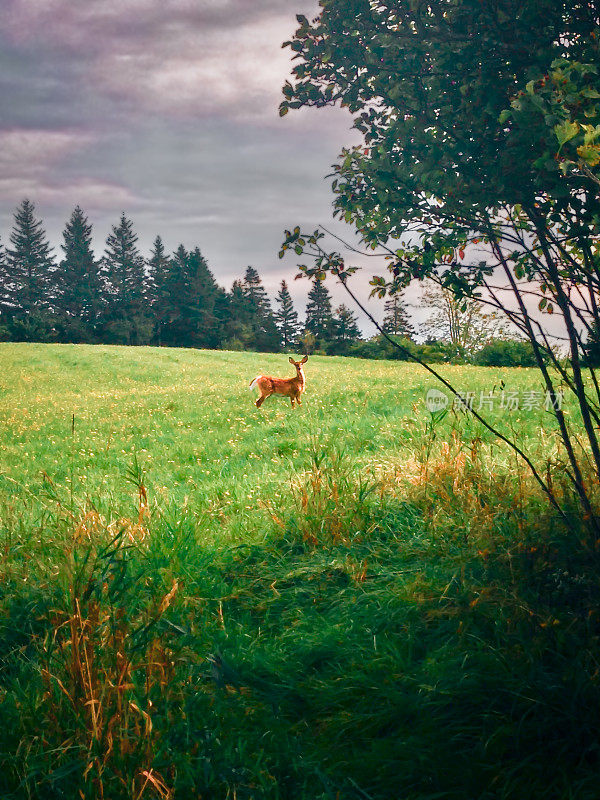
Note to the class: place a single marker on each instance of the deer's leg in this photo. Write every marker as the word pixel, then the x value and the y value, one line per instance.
pixel 298 400
pixel 262 399
pixel 292 401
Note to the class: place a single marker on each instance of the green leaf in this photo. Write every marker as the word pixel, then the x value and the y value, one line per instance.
pixel 566 131
pixel 591 134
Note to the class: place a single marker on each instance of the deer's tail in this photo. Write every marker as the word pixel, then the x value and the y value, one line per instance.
pixel 255 382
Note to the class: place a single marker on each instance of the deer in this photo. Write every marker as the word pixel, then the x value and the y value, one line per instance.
pixel 288 387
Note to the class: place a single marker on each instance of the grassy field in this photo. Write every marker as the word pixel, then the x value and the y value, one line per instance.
pixel 352 599
pixel 189 418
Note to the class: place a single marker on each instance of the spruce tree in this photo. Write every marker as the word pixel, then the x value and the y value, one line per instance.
pixel 319 317
pixel 176 288
pixel 395 318
pixel 79 283
pixel 127 320
pixel 345 330
pixel 158 277
pixel 5 332
pixel 346 324
pixel 255 291
pixel 178 280
pixel 4 283
pixel 28 289
pixel 238 328
pixel 265 333
pixel 286 318
pixel 192 302
pixel 200 305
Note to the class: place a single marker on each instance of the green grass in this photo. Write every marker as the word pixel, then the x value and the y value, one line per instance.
pixel 191 421
pixel 205 600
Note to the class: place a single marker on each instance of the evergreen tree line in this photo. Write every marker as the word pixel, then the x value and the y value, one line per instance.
pixel 166 299
pixel 174 299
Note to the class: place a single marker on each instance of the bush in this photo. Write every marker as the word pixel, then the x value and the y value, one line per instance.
pixel 233 344
pixel 434 352
pixel 506 353
pixel 34 327
pixel 379 347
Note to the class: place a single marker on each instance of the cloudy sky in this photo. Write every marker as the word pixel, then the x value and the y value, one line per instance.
pixel 166 110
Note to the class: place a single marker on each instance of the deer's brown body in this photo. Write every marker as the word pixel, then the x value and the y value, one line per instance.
pixel 288 387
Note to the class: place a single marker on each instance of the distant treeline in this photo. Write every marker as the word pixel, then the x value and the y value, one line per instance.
pixel 165 299
pixel 174 300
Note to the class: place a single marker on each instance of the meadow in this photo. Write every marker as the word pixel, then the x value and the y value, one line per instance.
pixel 352 599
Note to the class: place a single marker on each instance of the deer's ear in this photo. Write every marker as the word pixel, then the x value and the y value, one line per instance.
pixel 304 360
pixel 292 360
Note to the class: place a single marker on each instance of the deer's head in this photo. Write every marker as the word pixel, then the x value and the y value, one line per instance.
pixel 298 364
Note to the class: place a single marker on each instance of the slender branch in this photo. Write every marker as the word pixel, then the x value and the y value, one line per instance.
pixel 578 478
pixel 547 491
pixel 575 362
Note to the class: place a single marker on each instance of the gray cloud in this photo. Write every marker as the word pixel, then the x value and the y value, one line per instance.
pixel 184 57
pixel 167 111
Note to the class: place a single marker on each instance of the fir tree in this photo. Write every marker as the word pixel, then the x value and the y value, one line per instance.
pixel 345 330
pixel 178 280
pixel 239 331
pixel 200 308
pixel 255 291
pixel 176 288
pixel 28 287
pixel 4 282
pixel 158 270
pixel 79 283
pixel 5 333
pixel 192 305
pixel 319 317
pixel 265 333
pixel 127 320
pixel 346 325
pixel 396 319
pixel 158 277
pixel 222 313
pixel 286 318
